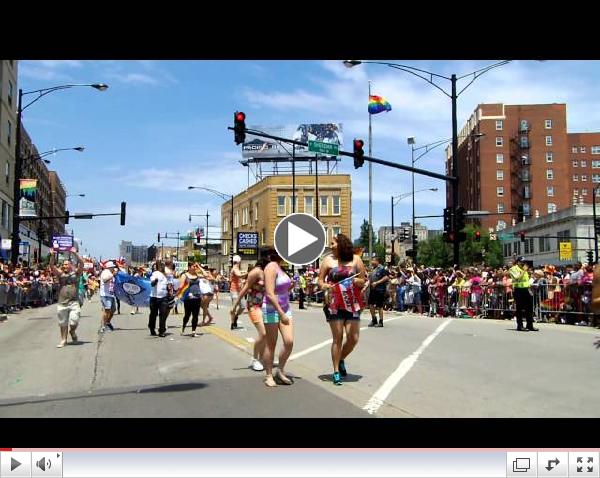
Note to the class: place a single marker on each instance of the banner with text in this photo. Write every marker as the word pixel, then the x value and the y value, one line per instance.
pixel 247 245
pixel 28 188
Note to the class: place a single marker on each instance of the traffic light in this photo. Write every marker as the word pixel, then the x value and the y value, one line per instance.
pixel 461 216
pixel 123 207
pixel 67 218
pixel 198 236
pixel 597 225
pixel 358 153
pixel 448 236
pixel 158 237
pixel 522 236
pixel 590 257
pixel 239 127
pixel 478 236
pixel 447 219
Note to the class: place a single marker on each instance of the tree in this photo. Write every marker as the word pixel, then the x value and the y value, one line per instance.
pixel 379 251
pixel 434 252
pixel 363 240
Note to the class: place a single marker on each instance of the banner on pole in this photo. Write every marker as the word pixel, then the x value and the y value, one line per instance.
pixel 28 189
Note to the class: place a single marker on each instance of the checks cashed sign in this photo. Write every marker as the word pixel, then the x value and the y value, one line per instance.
pixel 247 244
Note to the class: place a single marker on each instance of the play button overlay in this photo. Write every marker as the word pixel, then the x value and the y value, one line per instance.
pixel 300 239
pixel 14 464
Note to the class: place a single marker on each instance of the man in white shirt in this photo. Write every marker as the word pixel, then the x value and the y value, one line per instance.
pixel 159 302
pixel 107 295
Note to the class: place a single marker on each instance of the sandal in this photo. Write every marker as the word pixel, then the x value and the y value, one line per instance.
pixel 270 382
pixel 283 379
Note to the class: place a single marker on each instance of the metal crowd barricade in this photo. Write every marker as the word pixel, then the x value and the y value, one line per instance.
pixel 563 303
pixel 498 301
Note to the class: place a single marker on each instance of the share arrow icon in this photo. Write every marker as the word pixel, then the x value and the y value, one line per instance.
pixel 550 467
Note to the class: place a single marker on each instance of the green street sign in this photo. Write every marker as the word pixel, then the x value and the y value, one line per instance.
pixel 505 237
pixel 324 148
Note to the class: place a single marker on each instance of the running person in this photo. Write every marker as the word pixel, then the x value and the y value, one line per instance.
pixel 341 265
pixel 255 290
pixel 377 286
pixel 234 289
pixel 68 308
pixel 277 315
pixel 192 298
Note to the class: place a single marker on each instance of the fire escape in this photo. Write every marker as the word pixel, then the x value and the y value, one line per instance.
pixel 520 173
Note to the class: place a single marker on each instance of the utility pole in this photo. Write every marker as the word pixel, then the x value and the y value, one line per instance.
pixel 206 232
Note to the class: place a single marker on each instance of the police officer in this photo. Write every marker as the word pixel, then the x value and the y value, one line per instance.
pixel 523 299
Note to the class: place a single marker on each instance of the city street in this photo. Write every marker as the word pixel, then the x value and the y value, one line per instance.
pixel 413 367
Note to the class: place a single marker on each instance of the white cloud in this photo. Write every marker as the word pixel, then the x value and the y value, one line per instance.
pixel 61 63
pixel 134 78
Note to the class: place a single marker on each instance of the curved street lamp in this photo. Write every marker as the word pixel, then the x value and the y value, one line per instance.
pixel 73 195
pixel 41 156
pixel 429 77
pixel 228 197
pixel 16 238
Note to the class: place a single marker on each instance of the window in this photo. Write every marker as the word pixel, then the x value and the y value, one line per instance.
pixel 500 208
pixel 7 172
pixel 499 158
pixel 337 208
pixel 10 93
pixel 323 211
pixel 524 126
pixel 499 124
pixel 225 226
pixel 596 178
pixel 575 192
pixel 551 207
pixel 336 231
pixel 549 157
pixel 264 237
pixel 544 244
pixel 308 205
pixel 584 192
pixel 499 141
pixel 525 175
pixel 9 133
pixel 595 149
pixel 244 216
pixel 548 124
pixel 517 248
pixel 548 140
pixel 524 142
pixel 526 192
pixel 595 164
pixel 225 248
pixel 255 212
pixel 549 174
pixel 576 177
pixel 584 177
pixel 236 219
pixel 507 251
pixel 583 163
pixel 575 163
pixel 500 225
pixel 500 191
pixel 563 236
pixel 528 246
pixel 582 149
pixel 574 149
pixel 526 209
pixel 281 205
pixel 500 175
pixel 550 191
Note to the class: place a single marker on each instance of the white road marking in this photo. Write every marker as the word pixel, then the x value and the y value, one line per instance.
pixel 376 401
pixel 328 342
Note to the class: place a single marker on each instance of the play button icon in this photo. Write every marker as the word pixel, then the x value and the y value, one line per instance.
pixel 14 464
pixel 300 239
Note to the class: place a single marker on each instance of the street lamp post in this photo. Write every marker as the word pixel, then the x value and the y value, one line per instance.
pixel 453 95
pixel 41 156
pixel 16 238
pixel 223 196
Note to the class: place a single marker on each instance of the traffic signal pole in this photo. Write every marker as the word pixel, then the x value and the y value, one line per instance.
pixel 455 196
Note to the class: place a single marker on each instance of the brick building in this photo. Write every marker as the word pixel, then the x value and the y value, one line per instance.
pixel 584 155
pixel 523 166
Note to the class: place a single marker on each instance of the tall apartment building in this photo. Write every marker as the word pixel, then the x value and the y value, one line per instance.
pixel 134 255
pixel 260 207
pixel 522 166
pixel 584 155
pixel 58 196
pixel 8 121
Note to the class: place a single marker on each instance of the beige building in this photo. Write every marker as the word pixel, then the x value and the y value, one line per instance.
pixel 260 207
pixel 8 131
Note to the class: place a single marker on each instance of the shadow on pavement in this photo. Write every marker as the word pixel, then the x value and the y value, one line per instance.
pixel 176 387
pixel 349 378
pixel 40 318
pixel 79 342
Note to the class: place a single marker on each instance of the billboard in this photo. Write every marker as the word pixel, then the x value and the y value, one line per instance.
pixel 247 244
pixel 62 243
pixel 259 148
pixel 28 189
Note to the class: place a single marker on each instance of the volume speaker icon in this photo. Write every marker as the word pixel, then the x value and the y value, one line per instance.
pixel 43 463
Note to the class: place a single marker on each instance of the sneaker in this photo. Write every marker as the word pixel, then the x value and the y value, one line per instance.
pixel 373 323
pixel 132 312
pixel 342 367
pixel 153 333
pixel 380 324
pixel 337 379
pixel 102 330
pixel 257 366
pixel 110 326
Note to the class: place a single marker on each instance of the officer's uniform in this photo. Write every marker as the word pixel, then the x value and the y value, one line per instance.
pixel 523 299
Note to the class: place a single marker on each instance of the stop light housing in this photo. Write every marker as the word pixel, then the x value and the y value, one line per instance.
pixel 359 153
pixel 448 236
pixel 158 237
pixel 461 216
pixel 123 210
pixel 67 218
pixel 522 236
pixel 590 257
pixel 478 236
pixel 239 127
pixel 447 219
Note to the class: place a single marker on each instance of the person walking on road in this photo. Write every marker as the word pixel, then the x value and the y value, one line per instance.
pixel 377 285
pixel 523 299
pixel 107 295
pixel 68 307
pixel 234 289
pixel 191 297
pixel 302 287
pixel 277 316
pixel 159 300
pixel 255 290
pixel 341 315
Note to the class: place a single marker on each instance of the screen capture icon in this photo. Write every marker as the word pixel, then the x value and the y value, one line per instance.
pixel 521 464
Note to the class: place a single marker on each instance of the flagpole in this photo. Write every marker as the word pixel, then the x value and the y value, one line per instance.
pixel 370 183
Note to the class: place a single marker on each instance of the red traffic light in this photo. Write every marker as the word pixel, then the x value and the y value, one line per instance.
pixel 239 116
pixel 358 143
pixel 478 235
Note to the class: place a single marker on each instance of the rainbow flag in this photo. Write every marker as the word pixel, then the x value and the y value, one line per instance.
pixel 377 104
pixel 183 290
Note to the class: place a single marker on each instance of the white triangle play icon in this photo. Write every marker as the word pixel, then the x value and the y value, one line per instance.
pixel 298 239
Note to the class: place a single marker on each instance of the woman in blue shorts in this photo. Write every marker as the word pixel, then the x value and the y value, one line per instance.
pixel 342 264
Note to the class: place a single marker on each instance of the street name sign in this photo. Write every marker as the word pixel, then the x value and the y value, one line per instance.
pixel 324 148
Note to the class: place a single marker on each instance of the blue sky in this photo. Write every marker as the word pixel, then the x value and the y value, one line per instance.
pixel 161 126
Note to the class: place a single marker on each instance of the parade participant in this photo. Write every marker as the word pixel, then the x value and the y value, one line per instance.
pixel 342 264
pixel 170 275
pixel 235 286
pixel 523 298
pixel 255 290
pixel 189 292
pixel 107 295
pixel 68 307
pixel 302 287
pixel 207 291
pixel 377 286
pixel 277 315
pixel 159 301
pixel 215 284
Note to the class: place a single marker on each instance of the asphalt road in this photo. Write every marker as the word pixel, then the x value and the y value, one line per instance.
pixel 414 366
